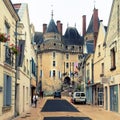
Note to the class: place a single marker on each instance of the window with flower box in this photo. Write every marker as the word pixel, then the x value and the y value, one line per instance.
pixel 8 56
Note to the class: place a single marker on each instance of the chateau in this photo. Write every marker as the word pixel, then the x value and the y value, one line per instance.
pixel 58 56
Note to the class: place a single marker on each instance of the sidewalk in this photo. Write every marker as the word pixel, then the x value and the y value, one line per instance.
pixel 93 112
pixel 33 113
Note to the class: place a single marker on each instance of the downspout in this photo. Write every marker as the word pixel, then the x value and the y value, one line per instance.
pixel 15 109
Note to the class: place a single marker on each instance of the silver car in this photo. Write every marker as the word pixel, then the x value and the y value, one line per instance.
pixel 79 97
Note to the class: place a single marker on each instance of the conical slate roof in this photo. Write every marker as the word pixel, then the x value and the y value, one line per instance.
pixel 52 27
pixel 72 37
pixel 90 28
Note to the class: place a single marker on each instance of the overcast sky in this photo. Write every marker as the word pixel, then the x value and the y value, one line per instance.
pixel 69 12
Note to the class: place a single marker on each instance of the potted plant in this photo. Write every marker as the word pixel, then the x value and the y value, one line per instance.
pixel 14 49
pixel 4 37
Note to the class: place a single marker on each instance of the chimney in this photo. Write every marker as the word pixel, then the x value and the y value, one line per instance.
pixel 84 25
pixel 95 20
pixel 95 25
pixel 44 28
pixel 59 26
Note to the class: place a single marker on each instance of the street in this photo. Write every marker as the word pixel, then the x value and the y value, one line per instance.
pixel 49 108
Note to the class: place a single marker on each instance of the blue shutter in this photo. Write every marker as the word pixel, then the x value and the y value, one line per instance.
pixel 8 102
pixel 5 81
pixel 7 90
pixel 51 73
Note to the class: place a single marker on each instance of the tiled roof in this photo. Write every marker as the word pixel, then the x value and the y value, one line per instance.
pixel 72 37
pixel 52 27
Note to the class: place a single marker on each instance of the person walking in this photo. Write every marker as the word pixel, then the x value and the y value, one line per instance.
pixel 35 98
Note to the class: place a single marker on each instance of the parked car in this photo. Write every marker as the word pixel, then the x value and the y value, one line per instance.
pixel 79 97
pixel 57 94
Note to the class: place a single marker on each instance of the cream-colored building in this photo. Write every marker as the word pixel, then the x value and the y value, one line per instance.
pixel 23 88
pixel 111 60
pixel 58 57
pixel 8 20
pixel 98 62
pixel 33 62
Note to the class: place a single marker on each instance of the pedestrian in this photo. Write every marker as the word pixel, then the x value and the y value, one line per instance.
pixel 35 98
pixel 41 94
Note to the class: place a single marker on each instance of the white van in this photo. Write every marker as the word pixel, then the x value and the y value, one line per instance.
pixel 79 97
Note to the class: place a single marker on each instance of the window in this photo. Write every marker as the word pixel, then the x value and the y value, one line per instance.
pixel 7 90
pixel 102 65
pixel 8 56
pixel 102 70
pixel 53 73
pixel 67 65
pixel 67 56
pixel 80 48
pixel 98 50
pixel 53 63
pixel 72 48
pixel 118 18
pixel 66 47
pixel 113 59
pixel 33 67
pixel 7 28
pixel 53 54
pixel 40 73
pixel 59 74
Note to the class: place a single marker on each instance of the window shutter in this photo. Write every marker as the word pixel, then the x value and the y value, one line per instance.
pixel 51 73
pixel 8 95
pixel 5 81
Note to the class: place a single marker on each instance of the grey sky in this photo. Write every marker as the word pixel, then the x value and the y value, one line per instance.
pixel 67 11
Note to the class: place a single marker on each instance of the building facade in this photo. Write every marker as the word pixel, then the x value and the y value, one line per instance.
pixel 98 62
pixel 23 87
pixel 58 57
pixel 8 23
pixel 111 60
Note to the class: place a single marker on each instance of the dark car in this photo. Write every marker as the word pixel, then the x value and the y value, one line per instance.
pixel 57 94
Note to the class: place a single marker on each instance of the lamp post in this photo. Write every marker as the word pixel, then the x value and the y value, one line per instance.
pixel 15 111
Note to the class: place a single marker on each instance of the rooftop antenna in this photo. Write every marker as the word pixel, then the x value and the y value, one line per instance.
pixel 67 25
pixel 75 25
pixel 52 12
pixel 94 3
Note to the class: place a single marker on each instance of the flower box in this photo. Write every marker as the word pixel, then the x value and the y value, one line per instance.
pixel 14 49
pixel 4 37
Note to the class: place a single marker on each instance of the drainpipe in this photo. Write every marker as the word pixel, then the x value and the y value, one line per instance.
pixel 15 110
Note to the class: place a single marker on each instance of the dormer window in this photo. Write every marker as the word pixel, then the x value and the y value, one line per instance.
pixel 66 47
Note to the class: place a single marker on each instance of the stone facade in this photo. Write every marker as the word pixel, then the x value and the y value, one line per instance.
pixel 57 62
pixel 111 59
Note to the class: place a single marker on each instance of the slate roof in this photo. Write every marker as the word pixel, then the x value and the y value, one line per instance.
pixel 52 27
pixel 90 47
pixel 72 37
pixel 90 26
pixel 38 37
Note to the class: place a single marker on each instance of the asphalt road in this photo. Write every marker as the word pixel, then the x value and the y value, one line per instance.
pixel 60 105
